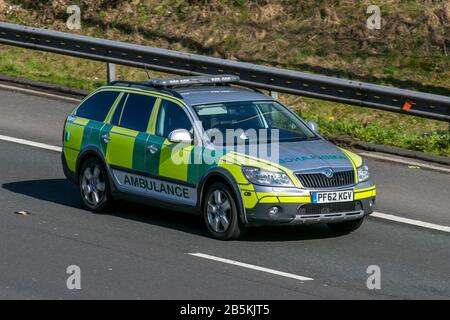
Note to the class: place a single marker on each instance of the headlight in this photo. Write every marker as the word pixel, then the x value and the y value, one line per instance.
pixel 363 173
pixel 267 178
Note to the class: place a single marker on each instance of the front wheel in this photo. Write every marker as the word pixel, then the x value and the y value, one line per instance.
pixel 346 226
pixel 94 185
pixel 221 213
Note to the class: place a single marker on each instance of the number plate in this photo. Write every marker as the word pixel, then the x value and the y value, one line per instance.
pixel 331 196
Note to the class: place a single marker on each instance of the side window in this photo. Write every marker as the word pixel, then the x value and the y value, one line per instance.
pixel 97 107
pixel 136 112
pixel 118 112
pixel 171 117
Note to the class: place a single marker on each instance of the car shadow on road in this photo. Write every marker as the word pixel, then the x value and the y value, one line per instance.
pixel 62 192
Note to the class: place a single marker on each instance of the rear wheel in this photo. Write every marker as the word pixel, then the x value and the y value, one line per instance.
pixel 221 213
pixel 94 185
pixel 346 226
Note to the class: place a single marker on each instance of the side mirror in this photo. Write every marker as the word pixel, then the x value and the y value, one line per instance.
pixel 313 126
pixel 180 136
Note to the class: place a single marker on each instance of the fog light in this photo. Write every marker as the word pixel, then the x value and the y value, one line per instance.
pixel 273 212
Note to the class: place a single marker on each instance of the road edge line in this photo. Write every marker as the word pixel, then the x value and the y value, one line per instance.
pixel 404 161
pixel 412 222
pixel 38 93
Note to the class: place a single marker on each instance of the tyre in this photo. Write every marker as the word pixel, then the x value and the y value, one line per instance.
pixel 94 185
pixel 221 214
pixel 346 226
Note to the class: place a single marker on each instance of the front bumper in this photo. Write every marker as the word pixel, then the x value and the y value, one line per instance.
pixel 292 213
pixel 300 210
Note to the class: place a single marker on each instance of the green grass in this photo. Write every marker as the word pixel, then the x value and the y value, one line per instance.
pixel 325 37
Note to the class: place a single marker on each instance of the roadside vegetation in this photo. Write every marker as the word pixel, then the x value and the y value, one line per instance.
pixel 327 37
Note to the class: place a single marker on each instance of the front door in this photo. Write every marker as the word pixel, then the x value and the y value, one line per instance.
pixel 167 162
pixel 171 160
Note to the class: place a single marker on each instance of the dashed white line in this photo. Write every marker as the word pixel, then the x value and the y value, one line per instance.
pixel 402 161
pixel 411 221
pixel 31 143
pixel 251 266
pixel 375 214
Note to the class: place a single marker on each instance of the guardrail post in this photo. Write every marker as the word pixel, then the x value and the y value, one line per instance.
pixel 274 94
pixel 110 72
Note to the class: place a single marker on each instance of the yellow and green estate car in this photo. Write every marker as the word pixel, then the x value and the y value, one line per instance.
pixel 161 142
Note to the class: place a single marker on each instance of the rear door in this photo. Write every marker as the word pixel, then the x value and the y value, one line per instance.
pixel 124 138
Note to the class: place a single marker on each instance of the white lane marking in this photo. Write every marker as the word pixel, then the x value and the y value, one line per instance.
pixel 402 161
pixel 375 214
pixel 250 266
pixel 31 143
pixel 410 221
pixel 39 93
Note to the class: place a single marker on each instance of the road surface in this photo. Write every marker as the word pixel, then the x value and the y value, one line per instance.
pixel 139 252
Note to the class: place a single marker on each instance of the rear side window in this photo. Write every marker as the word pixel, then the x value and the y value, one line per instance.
pixel 97 106
pixel 136 112
pixel 171 117
pixel 118 112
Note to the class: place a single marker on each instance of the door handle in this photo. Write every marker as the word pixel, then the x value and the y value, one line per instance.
pixel 152 148
pixel 106 138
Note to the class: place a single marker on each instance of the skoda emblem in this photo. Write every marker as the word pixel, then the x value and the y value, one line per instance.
pixel 328 173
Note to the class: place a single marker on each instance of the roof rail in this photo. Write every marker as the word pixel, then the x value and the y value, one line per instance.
pixel 144 84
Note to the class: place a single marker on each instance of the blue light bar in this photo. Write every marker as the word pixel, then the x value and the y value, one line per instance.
pixel 186 81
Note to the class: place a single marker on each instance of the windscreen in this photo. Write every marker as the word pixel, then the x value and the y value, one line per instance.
pixel 253 115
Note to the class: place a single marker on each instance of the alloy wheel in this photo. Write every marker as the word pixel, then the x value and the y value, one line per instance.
pixel 93 185
pixel 219 211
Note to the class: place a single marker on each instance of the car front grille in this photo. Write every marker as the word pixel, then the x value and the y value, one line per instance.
pixel 324 208
pixel 319 180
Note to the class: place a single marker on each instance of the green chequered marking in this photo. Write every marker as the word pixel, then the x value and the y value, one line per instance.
pixel 106 129
pixel 171 167
pixel 73 139
pixel 139 151
pixel 74 133
pixel 91 134
pixel 120 148
pixel 201 160
pixel 71 158
pixel 153 159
